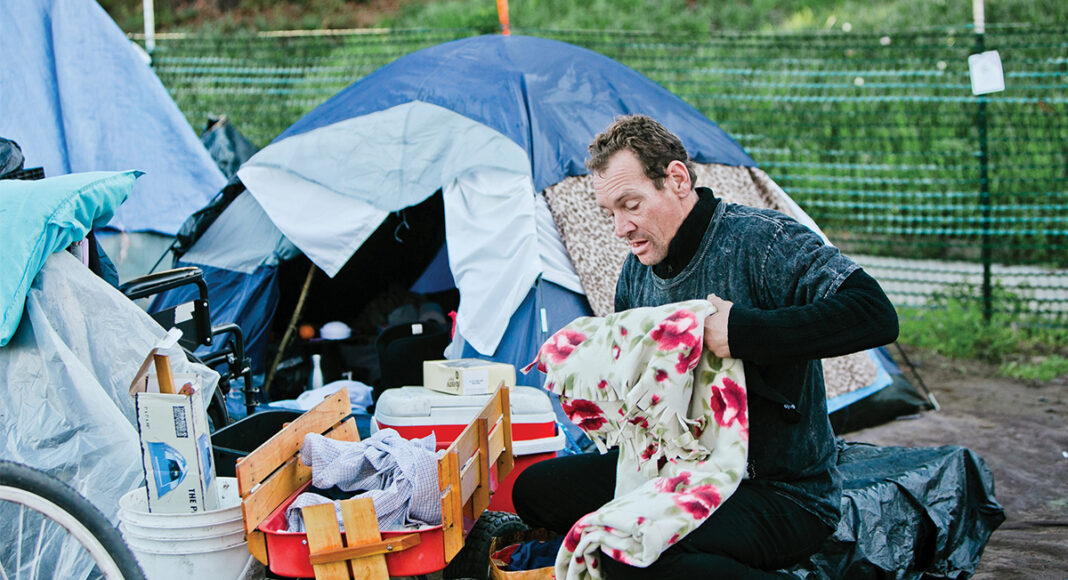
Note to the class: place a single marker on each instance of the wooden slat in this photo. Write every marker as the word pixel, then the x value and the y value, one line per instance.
pixel 259 464
pixel 451 505
pixel 267 497
pixel 257 546
pixel 320 521
pixel 480 498
pixel 469 475
pixel 387 546
pixel 361 527
pixel 466 443
pixel 496 442
pixel 281 484
pixel 506 460
pixel 346 431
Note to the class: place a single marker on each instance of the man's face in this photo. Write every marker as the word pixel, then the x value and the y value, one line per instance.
pixel 646 217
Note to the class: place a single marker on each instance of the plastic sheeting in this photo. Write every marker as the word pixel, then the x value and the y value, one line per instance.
pixel 10 157
pixel 227 146
pixel 66 373
pixel 909 513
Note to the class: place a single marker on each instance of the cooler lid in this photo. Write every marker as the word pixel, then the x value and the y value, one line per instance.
pixel 423 402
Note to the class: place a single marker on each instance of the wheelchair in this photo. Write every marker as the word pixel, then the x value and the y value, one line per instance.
pixel 193 318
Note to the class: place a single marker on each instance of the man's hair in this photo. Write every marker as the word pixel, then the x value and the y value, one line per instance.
pixel 653 145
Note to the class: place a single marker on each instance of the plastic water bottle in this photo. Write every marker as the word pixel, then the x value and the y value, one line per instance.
pixel 317 372
pixel 235 400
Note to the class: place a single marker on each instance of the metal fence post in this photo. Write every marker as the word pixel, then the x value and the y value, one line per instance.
pixel 984 183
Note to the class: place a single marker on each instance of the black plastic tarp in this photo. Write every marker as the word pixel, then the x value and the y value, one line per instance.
pixel 10 157
pixel 909 513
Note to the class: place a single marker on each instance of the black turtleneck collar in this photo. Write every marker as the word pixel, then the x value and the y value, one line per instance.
pixel 686 241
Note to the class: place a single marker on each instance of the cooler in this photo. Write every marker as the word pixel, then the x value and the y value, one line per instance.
pixel 416 412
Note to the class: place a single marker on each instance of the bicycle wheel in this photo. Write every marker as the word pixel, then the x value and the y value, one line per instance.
pixel 54 532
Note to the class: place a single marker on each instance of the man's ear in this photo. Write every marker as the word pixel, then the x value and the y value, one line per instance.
pixel 679 178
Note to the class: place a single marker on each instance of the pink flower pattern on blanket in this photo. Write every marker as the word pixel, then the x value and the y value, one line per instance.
pixel 585 414
pixel 641 380
pixel 729 405
pixel 674 484
pixel 677 331
pixel 699 501
pixel 559 347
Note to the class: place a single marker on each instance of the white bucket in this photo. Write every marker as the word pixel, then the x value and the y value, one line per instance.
pixel 203 545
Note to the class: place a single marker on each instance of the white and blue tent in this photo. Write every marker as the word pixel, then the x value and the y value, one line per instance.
pixel 491 123
pixel 78 96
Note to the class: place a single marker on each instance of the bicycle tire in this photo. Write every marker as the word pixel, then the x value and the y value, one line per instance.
pixel 54 508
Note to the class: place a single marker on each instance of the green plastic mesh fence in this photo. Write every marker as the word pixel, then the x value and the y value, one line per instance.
pixel 878 137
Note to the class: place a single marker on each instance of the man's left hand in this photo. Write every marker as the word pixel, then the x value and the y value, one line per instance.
pixel 716 327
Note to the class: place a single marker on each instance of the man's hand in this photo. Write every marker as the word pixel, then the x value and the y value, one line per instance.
pixel 716 327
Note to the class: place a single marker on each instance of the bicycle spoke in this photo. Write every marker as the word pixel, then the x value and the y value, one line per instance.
pixel 56 532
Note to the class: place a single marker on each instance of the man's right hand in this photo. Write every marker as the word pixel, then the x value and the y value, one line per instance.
pixel 716 327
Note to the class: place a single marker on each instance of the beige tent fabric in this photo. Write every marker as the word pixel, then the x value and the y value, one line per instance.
pixel 598 254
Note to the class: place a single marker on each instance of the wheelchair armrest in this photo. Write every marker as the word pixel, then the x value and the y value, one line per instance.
pixel 192 317
pixel 233 354
pixel 163 281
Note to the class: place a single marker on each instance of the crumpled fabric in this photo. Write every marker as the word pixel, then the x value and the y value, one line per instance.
pixel 641 380
pixel 400 475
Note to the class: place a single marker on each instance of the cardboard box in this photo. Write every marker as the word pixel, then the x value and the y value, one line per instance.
pixel 467 376
pixel 175 443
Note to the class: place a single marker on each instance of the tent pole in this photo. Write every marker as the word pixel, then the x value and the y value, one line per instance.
pixel 502 15
pixel 930 396
pixel 289 331
pixel 150 25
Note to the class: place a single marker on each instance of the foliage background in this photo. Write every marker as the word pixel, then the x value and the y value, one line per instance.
pixel 661 16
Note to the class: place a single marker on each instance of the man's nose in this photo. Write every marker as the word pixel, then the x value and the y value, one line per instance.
pixel 623 225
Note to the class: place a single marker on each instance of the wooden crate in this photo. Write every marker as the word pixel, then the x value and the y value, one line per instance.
pixel 273 472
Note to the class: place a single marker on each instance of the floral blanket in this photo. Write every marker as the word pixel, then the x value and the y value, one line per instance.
pixel 641 380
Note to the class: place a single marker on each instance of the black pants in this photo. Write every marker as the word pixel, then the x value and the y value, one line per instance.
pixel 754 531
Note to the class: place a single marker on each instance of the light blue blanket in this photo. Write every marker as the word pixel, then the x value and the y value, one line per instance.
pixel 39 218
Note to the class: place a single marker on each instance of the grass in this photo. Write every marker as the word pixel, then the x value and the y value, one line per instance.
pixel 1021 345
pixel 683 17
pixel 700 17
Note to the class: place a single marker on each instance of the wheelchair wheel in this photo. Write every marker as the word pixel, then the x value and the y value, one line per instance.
pixel 218 415
pixel 54 532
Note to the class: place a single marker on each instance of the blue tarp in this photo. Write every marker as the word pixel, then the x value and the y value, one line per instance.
pixel 78 96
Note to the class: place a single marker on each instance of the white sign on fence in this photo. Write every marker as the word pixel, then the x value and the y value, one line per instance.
pixel 986 73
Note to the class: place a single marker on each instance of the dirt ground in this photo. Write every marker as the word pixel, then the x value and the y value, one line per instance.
pixel 1020 429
